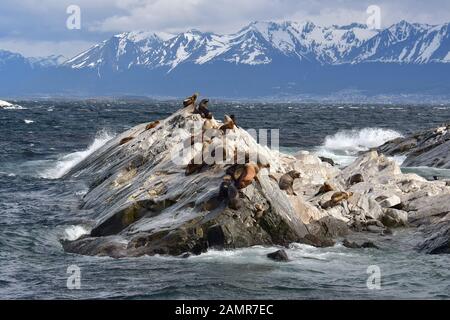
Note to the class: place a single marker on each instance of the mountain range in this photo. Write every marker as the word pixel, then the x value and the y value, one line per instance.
pixel 263 59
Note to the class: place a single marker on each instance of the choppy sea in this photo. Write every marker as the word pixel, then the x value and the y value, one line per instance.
pixel 41 140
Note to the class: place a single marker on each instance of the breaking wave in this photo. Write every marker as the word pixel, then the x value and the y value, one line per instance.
pixel 67 162
pixel 72 233
pixel 344 146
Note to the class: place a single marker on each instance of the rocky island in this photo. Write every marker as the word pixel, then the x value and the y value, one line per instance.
pixel 430 148
pixel 142 202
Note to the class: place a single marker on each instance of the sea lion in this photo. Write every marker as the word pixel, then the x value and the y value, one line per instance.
pixel 152 125
pixel 125 140
pixel 203 108
pixel 190 100
pixel 223 189
pixel 336 199
pixel 247 176
pixel 235 171
pixel 326 187
pixel 287 181
pixel 228 124
pixel 354 179
pixel 233 117
pixel 340 196
pixel 234 202
pixel 209 123
pixel 229 193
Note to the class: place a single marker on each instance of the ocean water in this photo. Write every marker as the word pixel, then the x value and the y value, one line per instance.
pixel 41 140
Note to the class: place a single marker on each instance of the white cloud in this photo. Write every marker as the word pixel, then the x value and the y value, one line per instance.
pixel 39 26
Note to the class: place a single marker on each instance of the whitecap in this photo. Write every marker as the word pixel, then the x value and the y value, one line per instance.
pixel 344 146
pixel 72 233
pixel 67 162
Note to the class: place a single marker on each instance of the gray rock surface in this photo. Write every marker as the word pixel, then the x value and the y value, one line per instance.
pixel 429 148
pixel 141 201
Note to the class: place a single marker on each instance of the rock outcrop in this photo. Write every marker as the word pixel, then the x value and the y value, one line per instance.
pixel 430 148
pixel 143 201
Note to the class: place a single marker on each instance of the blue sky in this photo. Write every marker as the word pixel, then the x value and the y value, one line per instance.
pixel 38 27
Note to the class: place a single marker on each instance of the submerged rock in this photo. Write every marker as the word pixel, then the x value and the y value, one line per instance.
pixel 279 255
pixel 353 245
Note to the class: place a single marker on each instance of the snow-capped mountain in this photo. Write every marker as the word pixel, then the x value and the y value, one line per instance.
pixel 262 42
pixel 49 61
pixel 261 59
pixel 10 59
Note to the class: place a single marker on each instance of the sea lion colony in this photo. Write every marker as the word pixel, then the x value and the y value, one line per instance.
pixel 239 176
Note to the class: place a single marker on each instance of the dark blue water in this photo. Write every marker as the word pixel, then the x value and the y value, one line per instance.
pixel 37 210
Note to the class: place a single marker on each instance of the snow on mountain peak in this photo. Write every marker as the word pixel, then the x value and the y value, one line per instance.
pixel 261 42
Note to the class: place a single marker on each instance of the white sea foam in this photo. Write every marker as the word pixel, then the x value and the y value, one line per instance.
pixel 66 162
pixel 344 146
pixel 72 233
pixel 9 106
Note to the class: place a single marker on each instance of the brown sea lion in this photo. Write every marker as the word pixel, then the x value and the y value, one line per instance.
pixel 228 124
pixel 125 140
pixel 340 196
pixel 209 123
pixel 152 125
pixel 190 100
pixel 326 187
pixel 287 181
pixel 336 199
pixel 235 171
pixel 247 176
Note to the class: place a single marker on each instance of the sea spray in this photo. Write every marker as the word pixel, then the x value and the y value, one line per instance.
pixel 344 146
pixel 72 233
pixel 67 162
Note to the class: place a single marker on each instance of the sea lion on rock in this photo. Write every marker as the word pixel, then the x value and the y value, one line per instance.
pixel 209 123
pixel 203 108
pixel 190 100
pixel 326 187
pixel 336 199
pixel 235 171
pixel 354 179
pixel 259 211
pixel 228 124
pixel 287 181
pixel 234 202
pixel 229 193
pixel 249 173
pixel 233 117
pixel 340 196
pixel 125 140
pixel 152 125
